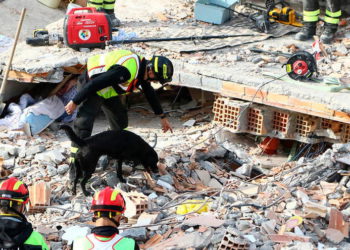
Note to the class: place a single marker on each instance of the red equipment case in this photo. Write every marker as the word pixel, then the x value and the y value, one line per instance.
pixel 87 28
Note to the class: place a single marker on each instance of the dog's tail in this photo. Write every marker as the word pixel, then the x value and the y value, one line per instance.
pixel 72 136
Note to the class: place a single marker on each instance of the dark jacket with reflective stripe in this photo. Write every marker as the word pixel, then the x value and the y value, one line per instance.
pixel 113 77
pixel 18 234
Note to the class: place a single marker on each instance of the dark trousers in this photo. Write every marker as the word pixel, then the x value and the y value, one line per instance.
pixel 89 109
pixel 331 5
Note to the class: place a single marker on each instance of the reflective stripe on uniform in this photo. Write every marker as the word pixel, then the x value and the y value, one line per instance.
pixel 74 149
pixel 333 14
pixel 331 20
pixel 95 3
pixel 36 239
pixel 108 4
pixel 311 13
pixel 311 16
pixel 107 92
pixel 101 63
pixel 71 159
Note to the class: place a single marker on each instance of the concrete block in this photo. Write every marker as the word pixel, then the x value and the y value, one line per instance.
pixel 204 176
pixel 54 156
pixel 334 236
pixel 211 84
pixel 147 218
pixel 32 150
pixel 135 233
pixel 214 183
pixel 249 189
pixel 193 80
pixel 314 210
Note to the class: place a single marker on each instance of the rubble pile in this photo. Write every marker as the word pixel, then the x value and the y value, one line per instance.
pixel 203 197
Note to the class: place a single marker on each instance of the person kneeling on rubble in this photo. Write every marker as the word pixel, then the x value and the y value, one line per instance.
pixel 108 206
pixel 15 231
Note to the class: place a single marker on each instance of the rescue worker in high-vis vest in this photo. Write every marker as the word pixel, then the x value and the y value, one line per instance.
pixel 108 76
pixel 107 6
pixel 311 14
pixel 108 205
pixel 15 231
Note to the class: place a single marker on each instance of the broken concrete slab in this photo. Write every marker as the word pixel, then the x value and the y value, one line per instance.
pixel 314 209
pixel 204 176
pixel 334 235
pixel 182 241
pixel 147 218
pixel 207 220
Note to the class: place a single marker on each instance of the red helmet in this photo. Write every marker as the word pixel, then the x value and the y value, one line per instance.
pixel 14 190
pixel 108 199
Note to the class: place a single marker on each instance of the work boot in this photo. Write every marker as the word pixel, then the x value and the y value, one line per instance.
pixel 328 33
pixel 114 20
pixel 307 31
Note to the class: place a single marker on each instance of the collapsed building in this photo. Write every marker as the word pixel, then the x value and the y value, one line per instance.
pixel 249 93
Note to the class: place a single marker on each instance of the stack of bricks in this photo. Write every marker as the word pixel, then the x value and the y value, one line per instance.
pixel 281 124
pixel 218 109
pixel 39 195
pixel 241 116
pixel 259 120
pixel 231 113
pixel 345 135
pixel 305 125
pixel 136 203
pixel 230 242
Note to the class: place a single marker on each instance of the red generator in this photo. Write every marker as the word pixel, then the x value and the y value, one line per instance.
pixel 87 28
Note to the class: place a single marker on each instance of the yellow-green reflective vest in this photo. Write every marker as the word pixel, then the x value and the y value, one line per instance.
pixel 37 240
pixel 94 242
pixel 101 63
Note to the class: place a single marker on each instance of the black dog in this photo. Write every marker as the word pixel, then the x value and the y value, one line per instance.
pixel 120 145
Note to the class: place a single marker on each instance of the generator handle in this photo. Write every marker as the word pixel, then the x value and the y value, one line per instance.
pixel 91 10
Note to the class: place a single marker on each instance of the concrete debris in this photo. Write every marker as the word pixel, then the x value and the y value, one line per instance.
pixel 209 194
pixel 197 200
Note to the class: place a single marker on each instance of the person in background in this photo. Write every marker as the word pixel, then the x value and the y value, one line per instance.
pixel 311 12
pixel 15 231
pixel 108 205
pixel 107 6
